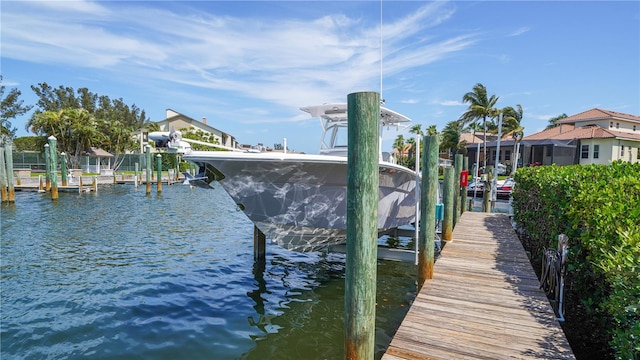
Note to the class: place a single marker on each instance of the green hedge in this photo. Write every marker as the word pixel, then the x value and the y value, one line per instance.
pixel 598 207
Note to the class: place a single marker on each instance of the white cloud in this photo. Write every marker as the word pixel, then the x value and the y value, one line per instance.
pixel 520 31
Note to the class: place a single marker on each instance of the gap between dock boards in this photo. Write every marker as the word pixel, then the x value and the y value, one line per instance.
pixel 484 301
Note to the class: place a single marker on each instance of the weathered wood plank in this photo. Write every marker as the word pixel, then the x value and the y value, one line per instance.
pixel 484 301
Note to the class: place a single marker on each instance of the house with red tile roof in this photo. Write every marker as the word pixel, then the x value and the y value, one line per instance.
pixel 594 136
pixel 600 136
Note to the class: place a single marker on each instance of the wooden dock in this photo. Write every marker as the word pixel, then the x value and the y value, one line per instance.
pixel 484 301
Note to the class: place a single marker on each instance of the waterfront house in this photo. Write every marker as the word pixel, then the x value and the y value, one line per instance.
pixel 185 123
pixel 594 136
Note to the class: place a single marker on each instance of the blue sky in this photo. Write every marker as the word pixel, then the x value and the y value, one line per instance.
pixel 249 66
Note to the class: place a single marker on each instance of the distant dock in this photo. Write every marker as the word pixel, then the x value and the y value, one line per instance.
pixel 484 301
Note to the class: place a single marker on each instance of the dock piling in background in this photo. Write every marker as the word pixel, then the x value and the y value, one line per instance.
pixel 147 153
pixel 463 191
pixel 159 171
pixel 135 175
pixel 448 201
pixel 3 178
pixel 63 168
pixel 47 162
pixel 363 111
pixel 428 201
pixel 486 194
pixel 457 206
pixel 53 159
pixel 8 159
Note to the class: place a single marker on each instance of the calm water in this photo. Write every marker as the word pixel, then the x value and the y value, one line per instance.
pixel 119 274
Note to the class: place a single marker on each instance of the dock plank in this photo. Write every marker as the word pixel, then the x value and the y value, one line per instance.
pixel 484 301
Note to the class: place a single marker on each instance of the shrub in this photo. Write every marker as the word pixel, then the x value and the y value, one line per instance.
pixel 598 207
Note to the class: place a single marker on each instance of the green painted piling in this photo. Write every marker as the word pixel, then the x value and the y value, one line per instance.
pixel 463 191
pixel 448 201
pixel 53 158
pixel 159 171
pixel 63 168
pixel 363 111
pixel 47 172
pixel 3 177
pixel 457 206
pixel 428 200
pixel 147 152
pixel 8 159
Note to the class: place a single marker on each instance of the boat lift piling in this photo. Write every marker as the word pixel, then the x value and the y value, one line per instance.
pixel 448 201
pixel 363 111
pixel 259 244
pixel 428 202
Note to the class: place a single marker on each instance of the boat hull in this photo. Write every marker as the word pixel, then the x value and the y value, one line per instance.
pixel 300 201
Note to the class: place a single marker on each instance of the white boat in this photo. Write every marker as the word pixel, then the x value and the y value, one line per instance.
pixel 299 200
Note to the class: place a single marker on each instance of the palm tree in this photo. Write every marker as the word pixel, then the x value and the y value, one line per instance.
pixel 511 126
pixel 553 121
pixel 482 107
pixel 432 130
pixel 399 145
pixel 451 137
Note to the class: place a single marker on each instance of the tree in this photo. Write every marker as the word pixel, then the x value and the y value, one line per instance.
pixel 450 139
pixel 10 107
pixel 511 126
pixel 481 107
pixel 86 119
pixel 553 121
pixel 432 130
pixel 74 129
pixel 399 145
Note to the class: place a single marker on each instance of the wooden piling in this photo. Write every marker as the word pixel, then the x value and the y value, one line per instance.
pixel 456 188
pixel 53 158
pixel 486 194
pixel 94 184
pixel 135 181
pixel 3 177
pixel 448 201
pixel 159 171
pixel 259 244
pixel 463 191
pixel 63 168
pixel 47 172
pixel 363 111
pixel 428 201
pixel 147 152
pixel 8 159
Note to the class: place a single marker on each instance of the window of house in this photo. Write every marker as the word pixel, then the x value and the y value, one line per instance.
pixel 638 154
pixel 596 151
pixel 621 150
pixel 617 125
pixel 507 155
pixel 585 152
pixel 634 128
pixel 611 124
